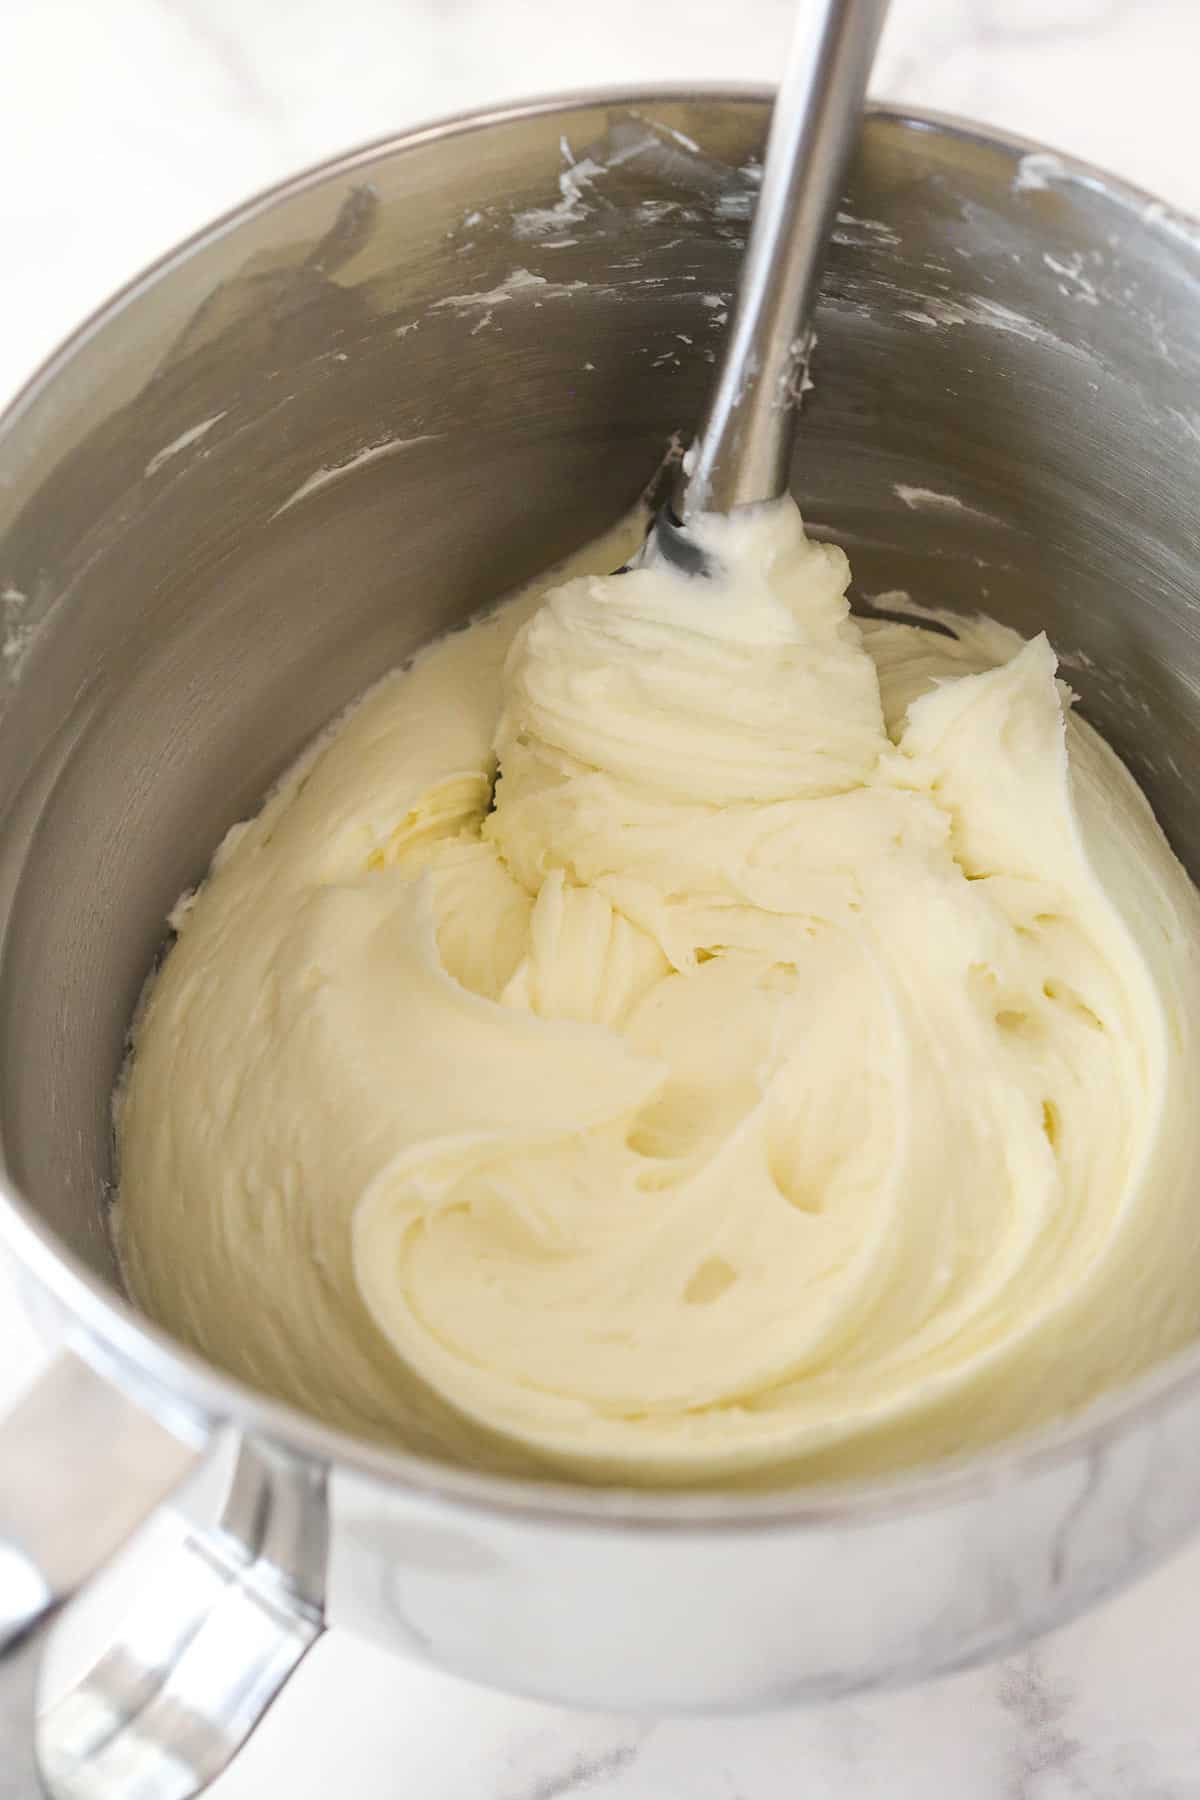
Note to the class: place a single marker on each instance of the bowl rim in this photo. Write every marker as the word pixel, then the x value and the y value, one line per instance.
pixel 182 1386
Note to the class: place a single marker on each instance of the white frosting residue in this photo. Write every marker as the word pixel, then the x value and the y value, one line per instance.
pixel 1037 170
pixel 323 478
pixel 185 438
pixel 519 284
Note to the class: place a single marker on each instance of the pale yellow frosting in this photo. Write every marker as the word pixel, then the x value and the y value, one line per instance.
pixel 793 1075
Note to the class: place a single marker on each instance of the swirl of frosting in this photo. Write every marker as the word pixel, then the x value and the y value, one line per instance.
pixel 791 1075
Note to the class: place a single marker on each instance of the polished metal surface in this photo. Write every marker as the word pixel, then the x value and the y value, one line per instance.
pixel 20 1672
pixel 107 1463
pixel 743 450
pixel 205 1649
pixel 353 414
pixel 81 1468
pixel 215 1633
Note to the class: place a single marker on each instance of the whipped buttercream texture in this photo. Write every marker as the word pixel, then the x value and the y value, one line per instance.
pixel 791 1075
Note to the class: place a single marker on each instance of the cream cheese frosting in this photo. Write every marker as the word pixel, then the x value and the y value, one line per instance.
pixel 789 1073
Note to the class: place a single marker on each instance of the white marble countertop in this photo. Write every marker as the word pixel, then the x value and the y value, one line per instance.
pixel 129 123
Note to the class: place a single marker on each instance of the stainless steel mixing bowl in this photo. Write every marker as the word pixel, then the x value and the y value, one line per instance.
pixel 327 429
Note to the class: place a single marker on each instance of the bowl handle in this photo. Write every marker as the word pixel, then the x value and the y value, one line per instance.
pixel 210 1638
